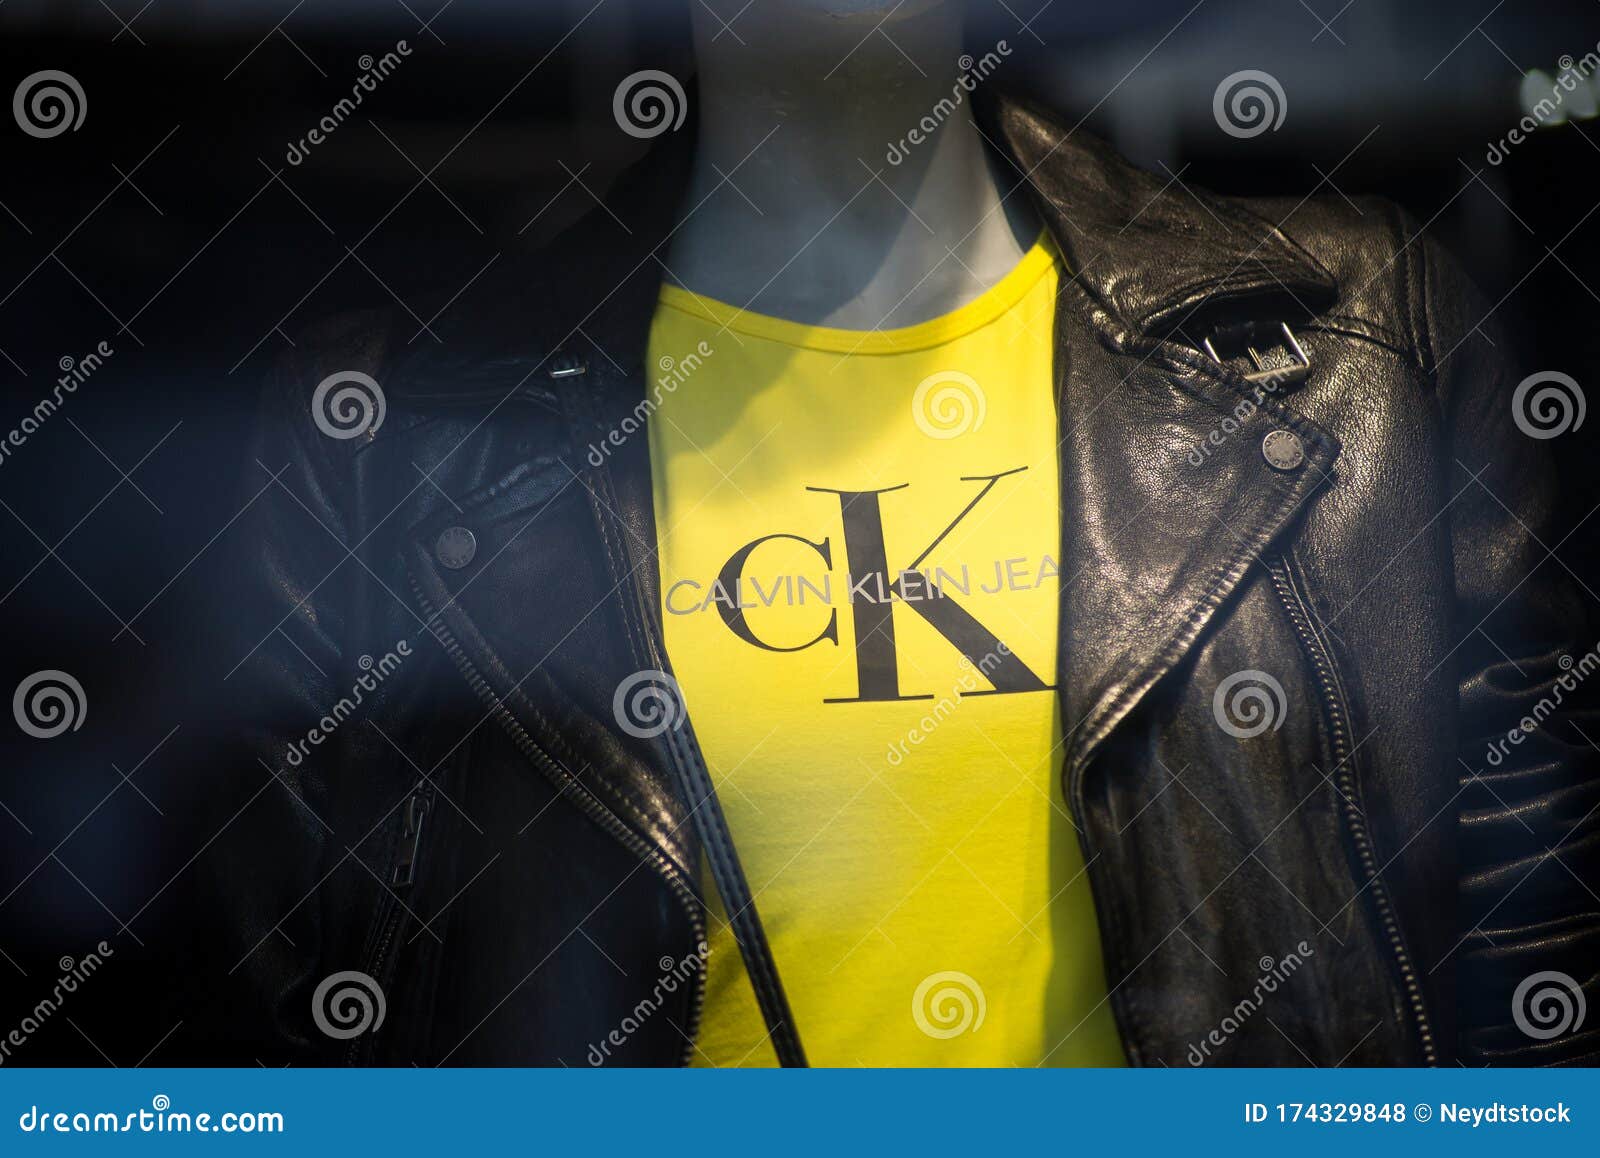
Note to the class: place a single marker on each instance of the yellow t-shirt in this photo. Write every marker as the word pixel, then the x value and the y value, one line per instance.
pixel 858 537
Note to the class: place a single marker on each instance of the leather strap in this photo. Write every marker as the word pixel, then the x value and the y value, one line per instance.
pixel 711 824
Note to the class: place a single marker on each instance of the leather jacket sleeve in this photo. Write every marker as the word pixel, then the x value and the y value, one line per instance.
pixel 1529 677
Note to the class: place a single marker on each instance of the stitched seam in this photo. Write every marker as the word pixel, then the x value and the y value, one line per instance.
pixel 718 840
pixel 1425 334
pixel 615 553
pixel 1414 1014
pixel 1417 304
pixel 615 558
pixel 1407 278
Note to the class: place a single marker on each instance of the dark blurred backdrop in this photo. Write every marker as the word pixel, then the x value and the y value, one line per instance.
pixel 171 226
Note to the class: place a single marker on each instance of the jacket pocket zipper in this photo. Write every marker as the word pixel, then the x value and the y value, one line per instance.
pixel 404 873
pixel 1285 582
pixel 591 805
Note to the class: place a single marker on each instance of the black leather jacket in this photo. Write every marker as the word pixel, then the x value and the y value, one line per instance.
pixel 517 873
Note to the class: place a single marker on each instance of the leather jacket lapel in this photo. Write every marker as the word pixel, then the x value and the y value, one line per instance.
pixel 1166 495
pixel 1153 543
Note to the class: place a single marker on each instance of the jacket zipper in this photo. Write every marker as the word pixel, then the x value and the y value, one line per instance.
pixel 402 875
pixel 1338 717
pixel 591 805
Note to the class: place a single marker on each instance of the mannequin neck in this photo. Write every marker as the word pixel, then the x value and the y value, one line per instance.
pixel 819 191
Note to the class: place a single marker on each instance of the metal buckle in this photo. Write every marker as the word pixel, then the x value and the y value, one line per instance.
pixel 1277 376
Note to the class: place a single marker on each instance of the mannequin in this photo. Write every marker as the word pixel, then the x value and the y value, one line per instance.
pixel 874 401
pixel 798 104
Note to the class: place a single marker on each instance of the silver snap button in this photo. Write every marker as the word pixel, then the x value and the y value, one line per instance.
pixel 456 547
pixel 1283 450
pixel 568 366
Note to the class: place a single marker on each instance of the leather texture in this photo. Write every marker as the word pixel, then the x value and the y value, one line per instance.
pixel 1396 584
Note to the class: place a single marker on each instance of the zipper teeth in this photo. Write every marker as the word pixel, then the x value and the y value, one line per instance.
pixel 366 1044
pixel 1349 788
pixel 591 805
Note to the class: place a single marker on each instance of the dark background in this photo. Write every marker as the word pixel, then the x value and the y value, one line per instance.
pixel 171 226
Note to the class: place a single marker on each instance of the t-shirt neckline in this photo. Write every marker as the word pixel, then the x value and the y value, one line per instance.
pixel 980 311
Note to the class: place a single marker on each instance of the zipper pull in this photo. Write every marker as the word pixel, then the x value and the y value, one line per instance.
pixel 405 869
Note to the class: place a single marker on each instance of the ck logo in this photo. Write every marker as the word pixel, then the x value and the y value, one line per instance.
pixel 876 589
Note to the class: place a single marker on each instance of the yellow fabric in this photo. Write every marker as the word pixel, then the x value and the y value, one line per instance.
pixel 912 858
